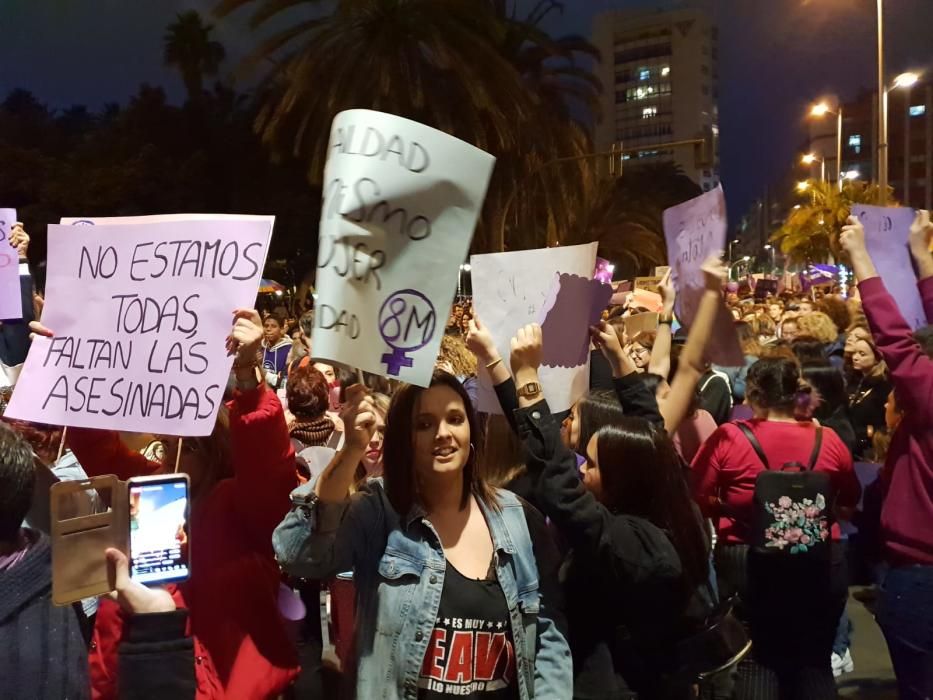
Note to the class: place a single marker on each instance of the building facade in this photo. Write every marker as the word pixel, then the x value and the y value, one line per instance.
pixel 910 142
pixel 660 86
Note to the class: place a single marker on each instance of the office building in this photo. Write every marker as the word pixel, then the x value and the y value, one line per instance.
pixel 660 86
pixel 910 141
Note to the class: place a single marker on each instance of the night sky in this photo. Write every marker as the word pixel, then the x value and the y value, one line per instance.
pixel 775 57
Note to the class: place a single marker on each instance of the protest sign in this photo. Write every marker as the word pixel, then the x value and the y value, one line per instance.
pixel 641 323
pixel 649 283
pixel 887 230
pixel 140 314
pixel 661 270
pixel 695 230
pixel 11 303
pixel 573 305
pixel 401 201
pixel 509 291
pixel 649 301
pixel 620 292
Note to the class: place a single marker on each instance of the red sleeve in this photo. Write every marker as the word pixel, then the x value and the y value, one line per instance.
pixel 911 370
pixel 706 468
pixel 103 452
pixel 926 294
pixel 263 461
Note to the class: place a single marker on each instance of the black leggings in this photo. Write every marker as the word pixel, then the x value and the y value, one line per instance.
pixel 791 608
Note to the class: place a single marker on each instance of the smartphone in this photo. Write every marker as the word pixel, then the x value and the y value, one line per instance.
pixel 159 526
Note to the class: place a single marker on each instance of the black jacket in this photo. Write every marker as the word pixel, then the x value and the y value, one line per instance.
pixel 625 592
pixel 14 335
pixel 42 652
pixel 156 659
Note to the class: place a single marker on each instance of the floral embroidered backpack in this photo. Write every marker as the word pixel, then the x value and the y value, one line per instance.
pixel 792 506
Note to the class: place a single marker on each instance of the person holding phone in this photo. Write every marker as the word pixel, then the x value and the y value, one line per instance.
pixel 446 567
pixel 241 476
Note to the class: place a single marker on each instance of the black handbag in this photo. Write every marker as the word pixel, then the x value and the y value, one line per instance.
pixel 720 642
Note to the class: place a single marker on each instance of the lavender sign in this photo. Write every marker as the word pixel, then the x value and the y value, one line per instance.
pixel 886 236
pixel 11 307
pixel 695 230
pixel 401 201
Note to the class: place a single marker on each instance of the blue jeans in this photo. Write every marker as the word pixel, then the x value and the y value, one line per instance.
pixel 905 614
pixel 843 634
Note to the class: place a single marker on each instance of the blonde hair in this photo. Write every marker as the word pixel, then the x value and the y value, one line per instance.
pixel 818 325
pixel 454 352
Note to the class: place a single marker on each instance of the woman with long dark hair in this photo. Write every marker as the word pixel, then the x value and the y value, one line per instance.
pixel 636 580
pixel 446 567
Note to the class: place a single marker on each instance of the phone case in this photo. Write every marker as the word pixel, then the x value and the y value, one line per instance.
pixel 79 539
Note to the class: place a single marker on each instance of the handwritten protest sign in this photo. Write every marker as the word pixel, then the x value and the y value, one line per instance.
pixel 509 291
pixel 401 201
pixel 887 230
pixel 695 230
pixel 140 314
pixel 649 284
pixel 11 306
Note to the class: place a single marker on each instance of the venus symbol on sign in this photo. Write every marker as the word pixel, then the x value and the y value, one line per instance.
pixel 407 322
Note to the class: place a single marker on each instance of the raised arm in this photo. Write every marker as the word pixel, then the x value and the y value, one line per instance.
pixel 325 533
pixel 911 370
pixel 479 341
pixel 634 395
pixel 660 363
pixel 263 458
pixel 691 366
pixel 921 238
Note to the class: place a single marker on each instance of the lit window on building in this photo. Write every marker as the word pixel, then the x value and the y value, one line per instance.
pixel 918 110
pixel 855 142
pixel 665 71
pixel 649 112
pixel 644 74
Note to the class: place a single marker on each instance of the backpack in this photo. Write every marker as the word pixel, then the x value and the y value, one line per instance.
pixel 792 506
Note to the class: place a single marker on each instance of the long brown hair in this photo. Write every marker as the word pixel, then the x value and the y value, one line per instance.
pixel 397 459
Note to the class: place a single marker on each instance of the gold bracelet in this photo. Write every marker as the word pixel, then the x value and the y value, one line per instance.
pixel 493 363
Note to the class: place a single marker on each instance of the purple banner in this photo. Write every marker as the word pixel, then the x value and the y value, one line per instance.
pixel 11 305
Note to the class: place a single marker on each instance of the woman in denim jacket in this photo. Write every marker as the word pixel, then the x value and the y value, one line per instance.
pixel 448 596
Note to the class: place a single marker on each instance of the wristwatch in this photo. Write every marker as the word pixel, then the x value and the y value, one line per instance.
pixel 529 390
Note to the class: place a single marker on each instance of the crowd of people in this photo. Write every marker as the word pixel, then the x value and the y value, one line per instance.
pixel 684 530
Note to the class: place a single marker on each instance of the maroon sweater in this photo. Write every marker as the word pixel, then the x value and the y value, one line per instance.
pixel 907 514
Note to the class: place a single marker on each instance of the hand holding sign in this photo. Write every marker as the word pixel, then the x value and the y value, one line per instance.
pixel 852 237
pixel 359 418
pixel 245 339
pixel 19 239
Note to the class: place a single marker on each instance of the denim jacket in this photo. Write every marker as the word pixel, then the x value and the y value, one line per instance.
pixel 399 568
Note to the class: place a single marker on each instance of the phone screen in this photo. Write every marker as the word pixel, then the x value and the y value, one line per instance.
pixel 159 530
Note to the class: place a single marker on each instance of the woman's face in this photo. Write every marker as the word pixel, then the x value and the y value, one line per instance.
pixel 592 480
pixel 641 355
pixel 775 311
pixel 372 459
pixel 853 337
pixel 442 433
pixel 863 357
pixel 806 307
pixel 570 428
pixel 190 462
pixel 789 329
pixel 327 371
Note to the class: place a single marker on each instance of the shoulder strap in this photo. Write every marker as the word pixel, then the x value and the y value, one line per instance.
pixel 817 445
pixel 750 436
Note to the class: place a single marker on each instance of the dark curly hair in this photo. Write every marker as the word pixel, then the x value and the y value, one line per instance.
pixel 17 481
pixel 774 383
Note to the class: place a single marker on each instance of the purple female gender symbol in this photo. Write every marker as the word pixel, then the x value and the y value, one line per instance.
pixel 402 310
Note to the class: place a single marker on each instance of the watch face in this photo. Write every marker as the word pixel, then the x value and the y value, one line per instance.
pixel 530 389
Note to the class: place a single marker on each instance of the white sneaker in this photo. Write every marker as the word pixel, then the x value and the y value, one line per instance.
pixel 842 664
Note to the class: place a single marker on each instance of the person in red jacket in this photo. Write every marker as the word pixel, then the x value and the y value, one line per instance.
pixel 905 607
pixel 241 476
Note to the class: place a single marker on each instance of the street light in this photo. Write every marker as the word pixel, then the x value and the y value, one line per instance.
pixel 731 243
pixel 770 247
pixel 905 80
pixel 821 110
pixel 810 159
pixel 851 175
pixel 803 186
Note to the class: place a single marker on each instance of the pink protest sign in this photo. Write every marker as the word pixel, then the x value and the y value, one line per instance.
pixel 11 306
pixel 886 232
pixel 140 314
pixel 695 230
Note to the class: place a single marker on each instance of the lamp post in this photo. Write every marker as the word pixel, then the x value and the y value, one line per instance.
pixel 820 110
pixel 906 81
pixel 810 159
pixel 731 243
pixel 770 248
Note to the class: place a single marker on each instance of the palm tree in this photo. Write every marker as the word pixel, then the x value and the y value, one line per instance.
pixel 811 231
pixel 189 48
pixel 465 67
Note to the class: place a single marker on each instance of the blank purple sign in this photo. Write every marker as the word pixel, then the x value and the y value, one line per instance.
pixel 11 305
pixel 578 304
pixel 886 236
